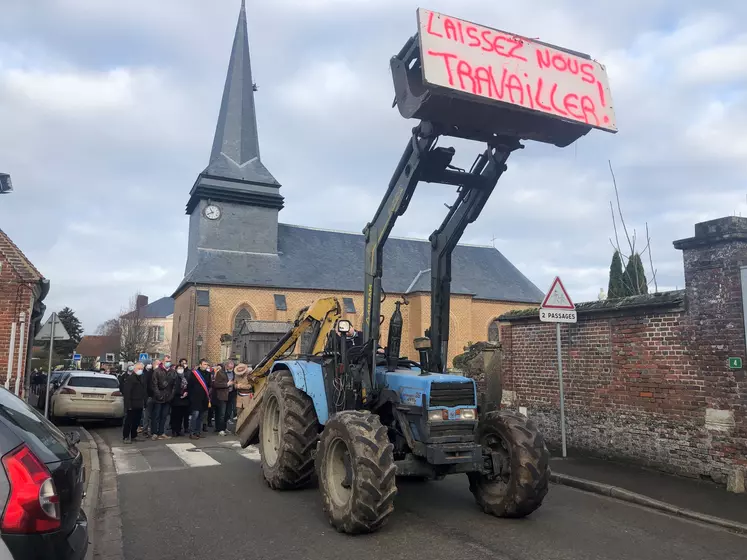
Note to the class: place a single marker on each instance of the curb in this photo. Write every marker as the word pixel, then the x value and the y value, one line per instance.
pixel 90 502
pixel 641 500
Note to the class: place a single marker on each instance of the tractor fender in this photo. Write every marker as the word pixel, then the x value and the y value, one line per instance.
pixel 309 378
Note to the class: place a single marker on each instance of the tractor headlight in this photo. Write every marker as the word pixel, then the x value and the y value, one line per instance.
pixel 466 414
pixel 437 415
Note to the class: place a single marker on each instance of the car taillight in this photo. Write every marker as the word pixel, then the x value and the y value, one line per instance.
pixel 67 391
pixel 117 394
pixel 33 504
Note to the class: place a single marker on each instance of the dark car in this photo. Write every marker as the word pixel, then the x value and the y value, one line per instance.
pixel 42 490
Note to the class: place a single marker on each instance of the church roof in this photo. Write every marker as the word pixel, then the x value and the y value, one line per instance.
pixel 315 259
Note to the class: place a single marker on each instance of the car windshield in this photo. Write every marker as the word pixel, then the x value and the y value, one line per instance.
pixel 103 382
pixel 46 441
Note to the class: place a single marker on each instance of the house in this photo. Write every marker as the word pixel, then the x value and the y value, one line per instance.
pixel 97 351
pixel 22 290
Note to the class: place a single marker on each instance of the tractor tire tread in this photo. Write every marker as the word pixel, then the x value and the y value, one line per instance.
pixel 530 467
pixel 294 467
pixel 373 486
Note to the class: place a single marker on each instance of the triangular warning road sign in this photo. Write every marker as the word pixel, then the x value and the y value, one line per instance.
pixel 45 333
pixel 557 297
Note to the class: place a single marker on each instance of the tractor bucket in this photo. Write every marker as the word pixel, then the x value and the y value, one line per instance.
pixel 476 82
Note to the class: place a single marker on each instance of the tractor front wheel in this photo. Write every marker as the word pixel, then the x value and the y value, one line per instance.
pixel 288 433
pixel 521 464
pixel 356 472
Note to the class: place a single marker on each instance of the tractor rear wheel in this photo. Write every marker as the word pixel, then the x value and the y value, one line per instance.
pixel 288 433
pixel 356 472
pixel 524 474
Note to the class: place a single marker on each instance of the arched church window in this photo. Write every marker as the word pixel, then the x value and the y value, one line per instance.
pixel 494 332
pixel 243 315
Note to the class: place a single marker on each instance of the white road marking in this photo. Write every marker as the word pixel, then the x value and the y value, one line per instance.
pixel 191 455
pixel 129 460
pixel 251 452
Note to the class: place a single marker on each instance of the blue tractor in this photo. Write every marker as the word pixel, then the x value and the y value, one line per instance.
pixel 351 410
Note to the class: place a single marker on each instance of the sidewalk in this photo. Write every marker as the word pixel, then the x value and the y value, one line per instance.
pixel 687 493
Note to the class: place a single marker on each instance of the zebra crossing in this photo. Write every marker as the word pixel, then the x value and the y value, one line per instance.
pixel 132 459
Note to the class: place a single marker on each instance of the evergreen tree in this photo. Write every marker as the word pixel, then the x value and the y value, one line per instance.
pixel 635 276
pixel 73 326
pixel 616 287
pixel 642 282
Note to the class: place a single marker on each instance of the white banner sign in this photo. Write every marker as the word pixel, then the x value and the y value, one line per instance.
pixel 508 68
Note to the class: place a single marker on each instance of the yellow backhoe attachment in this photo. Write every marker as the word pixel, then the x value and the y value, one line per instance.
pixel 317 320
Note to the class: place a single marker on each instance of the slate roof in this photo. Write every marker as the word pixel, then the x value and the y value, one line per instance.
pixel 160 308
pixel 315 259
pixel 235 153
pixel 17 260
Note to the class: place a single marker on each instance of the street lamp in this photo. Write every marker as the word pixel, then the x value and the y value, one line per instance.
pixel 6 185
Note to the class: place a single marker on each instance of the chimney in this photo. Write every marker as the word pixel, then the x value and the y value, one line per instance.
pixel 141 301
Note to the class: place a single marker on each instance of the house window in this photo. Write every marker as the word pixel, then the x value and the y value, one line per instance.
pixel 110 357
pixel 243 315
pixel 156 334
pixel 494 332
pixel 280 303
pixel 348 304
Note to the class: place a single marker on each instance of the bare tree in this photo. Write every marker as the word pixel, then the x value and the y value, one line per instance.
pixel 132 328
pixel 631 280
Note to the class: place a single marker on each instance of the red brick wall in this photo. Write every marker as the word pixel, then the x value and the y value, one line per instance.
pixel 15 297
pixel 645 377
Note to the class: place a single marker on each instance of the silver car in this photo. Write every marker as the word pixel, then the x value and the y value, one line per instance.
pixel 88 395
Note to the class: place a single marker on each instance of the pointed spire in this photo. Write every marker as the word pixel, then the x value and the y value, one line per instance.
pixel 235 153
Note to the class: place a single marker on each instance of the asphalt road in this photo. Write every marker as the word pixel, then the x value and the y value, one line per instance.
pixel 225 510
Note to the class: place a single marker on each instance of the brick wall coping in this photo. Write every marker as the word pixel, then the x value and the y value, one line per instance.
pixel 674 300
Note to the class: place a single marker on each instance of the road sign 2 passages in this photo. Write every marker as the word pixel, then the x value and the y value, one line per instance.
pixel 557 306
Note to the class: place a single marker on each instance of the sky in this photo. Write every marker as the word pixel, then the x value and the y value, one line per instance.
pixel 108 110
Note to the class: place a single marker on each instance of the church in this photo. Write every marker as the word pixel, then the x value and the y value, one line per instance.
pixel 248 274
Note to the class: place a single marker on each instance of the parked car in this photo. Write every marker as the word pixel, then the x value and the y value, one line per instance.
pixel 42 490
pixel 85 394
pixel 58 377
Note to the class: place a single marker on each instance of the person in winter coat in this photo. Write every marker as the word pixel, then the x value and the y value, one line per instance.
pixel 231 404
pixel 180 403
pixel 148 410
pixel 134 393
pixel 163 385
pixel 212 411
pixel 220 399
pixel 198 389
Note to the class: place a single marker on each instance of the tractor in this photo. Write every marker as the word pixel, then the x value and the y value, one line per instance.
pixel 348 410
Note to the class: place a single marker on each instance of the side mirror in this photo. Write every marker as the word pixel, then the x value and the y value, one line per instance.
pixel 73 438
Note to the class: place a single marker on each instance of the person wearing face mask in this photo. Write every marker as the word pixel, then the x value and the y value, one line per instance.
pixel 163 386
pixel 180 403
pixel 134 393
pixel 198 389
pixel 148 410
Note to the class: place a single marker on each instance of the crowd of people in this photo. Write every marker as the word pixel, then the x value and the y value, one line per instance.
pixel 189 401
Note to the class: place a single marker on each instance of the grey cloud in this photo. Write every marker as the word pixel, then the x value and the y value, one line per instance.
pixel 128 171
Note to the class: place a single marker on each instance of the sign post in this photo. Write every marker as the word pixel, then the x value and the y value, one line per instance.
pixel 51 330
pixel 557 308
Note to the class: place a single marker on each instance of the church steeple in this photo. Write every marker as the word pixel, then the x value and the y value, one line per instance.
pixel 233 206
pixel 234 160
